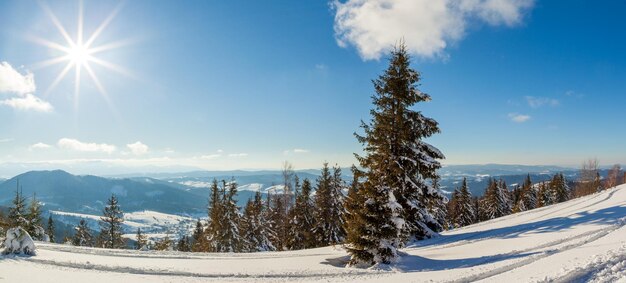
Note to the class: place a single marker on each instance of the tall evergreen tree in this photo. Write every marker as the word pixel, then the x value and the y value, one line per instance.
pixel 329 210
pixel 213 233
pixel 397 165
pixel 83 236
pixel 437 207
pixel 278 221
pixel 453 208
pixel 111 225
pixel 198 238
pixel 302 221
pixel 17 212
pixel 254 226
pixel 35 225
pixel 141 240
pixel 230 239
pixel 466 214
pixel 529 193
pixel 560 189
pixel 496 200
pixel 50 229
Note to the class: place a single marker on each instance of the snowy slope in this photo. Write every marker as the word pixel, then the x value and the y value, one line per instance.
pixel 579 240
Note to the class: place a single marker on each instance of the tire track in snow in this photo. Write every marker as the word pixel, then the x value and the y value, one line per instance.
pixel 596 235
pixel 455 242
pixel 164 272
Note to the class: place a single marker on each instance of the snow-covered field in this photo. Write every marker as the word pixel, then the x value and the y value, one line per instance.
pixel 580 240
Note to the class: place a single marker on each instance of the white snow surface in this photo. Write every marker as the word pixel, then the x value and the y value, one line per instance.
pixel 576 241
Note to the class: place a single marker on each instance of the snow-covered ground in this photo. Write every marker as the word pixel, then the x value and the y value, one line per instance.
pixel 580 240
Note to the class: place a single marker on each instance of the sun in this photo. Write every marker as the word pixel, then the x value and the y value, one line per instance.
pixel 78 54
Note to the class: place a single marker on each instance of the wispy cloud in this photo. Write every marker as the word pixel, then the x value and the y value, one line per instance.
pixel 6 140
pixel 427 26
pixel 138 148
pixel 536 102
pixel 210 156
pixel 12 81
pixel 76 145
pixel 295 150
pixel 518 118
pixel 27 102
pixel 238 155
pixel 39 145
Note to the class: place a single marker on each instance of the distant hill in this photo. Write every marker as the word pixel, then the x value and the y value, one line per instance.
pixel 59 190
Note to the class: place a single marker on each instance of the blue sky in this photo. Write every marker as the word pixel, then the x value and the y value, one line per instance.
pixel 249 84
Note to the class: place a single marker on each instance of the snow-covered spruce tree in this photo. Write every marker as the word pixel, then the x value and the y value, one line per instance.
pixel 35 223
pixel 111 225
pixel 140 240
pixel 17 212
pixel 496 200
pixel 353 203
pixel 466 214
pixel 278 221
pixel 453 207
pixel 437 206
pixel 559 188
pixel 254 226
pixel 197 238
pixel 164 244
pixel 50 229
pixel 184 244
pixel 213 232
pixel 329 208
pixel 302 221
pixel 544 194
pixel 397 165
pixel 529 193
pixel 230 239
pixel 83 236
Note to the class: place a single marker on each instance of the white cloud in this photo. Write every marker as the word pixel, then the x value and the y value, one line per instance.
pixel 12 81
pixel 219 151
pixel 518 118
pixel 39 145
pixel 210 156
pixel 238 155
pixel 6 140
pixel 27 102
pixel 426 26
pixel 73 144
pixel 138 148
pixel 295 150
pixel 536 102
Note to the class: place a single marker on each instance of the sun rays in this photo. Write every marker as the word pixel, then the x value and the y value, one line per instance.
pixel 78 53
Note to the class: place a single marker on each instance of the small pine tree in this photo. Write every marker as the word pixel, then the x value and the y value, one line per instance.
pixel 278 222
pixel 50 229
pixel 213 232
pixel 560 189
pixel 83 236
pixel 254 226
pixel 34 226
pixel 17 212
pixel 184 244
pixel 164 244
pixel 111 225
pixel 140 240
pixel 198 239
pixel 496 200
pixel 302 221
pixel 466 213
pixel 529 193
pixel 230 240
